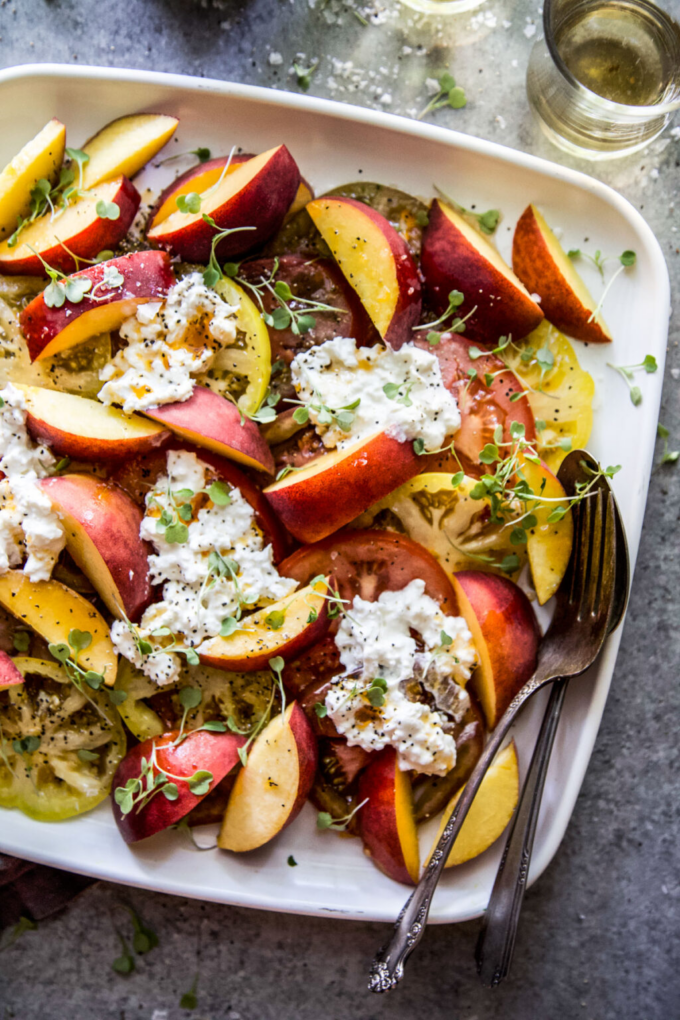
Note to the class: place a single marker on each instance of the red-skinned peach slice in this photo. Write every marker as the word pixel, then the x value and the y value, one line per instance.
pixel 386 822
pixel 505 634
pixel 39 159
pixel 126 145
pixel 336 487
pixel 375 260
pixel 84 429
pixel 80 229
pixel 52 610
pixel 305 618
pixel 455 256
pixel 544 268
pixel 10 676
pixel 548 545
pixel 201 751
pixel 256 195
pixel 210 420
pixel 102 535
pixel 272 788
pixel 147 276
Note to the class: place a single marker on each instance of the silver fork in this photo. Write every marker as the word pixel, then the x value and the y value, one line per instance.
pixel 571 645
pixel 499 929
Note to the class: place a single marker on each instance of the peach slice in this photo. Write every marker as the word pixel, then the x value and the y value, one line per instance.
pixel 386 822
pixel 52 610
pixel 102 535
pixel 256 195
pixel 84 429
pixel 126 145
pixel 10 676
pixel 305 194
pixel 543 266
pixel 270 791
pixel 201 751
pixel 39 159
pixel 505 634
pixel 80 228
pixel 305 618
pixel 147 276
pixel 455 256
pixel 337 486
pixel 375 260
pixel 548 545
pixel 490 811
pixel 209 420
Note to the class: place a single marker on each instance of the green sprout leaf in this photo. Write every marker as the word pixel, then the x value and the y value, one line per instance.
pixel 107 210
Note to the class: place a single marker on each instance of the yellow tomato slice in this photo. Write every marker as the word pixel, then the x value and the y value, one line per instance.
pixel 562 396
pixel 59 746
pixel 241 370
pixel 450 523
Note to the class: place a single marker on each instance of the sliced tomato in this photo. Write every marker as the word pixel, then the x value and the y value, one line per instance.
pixel 482 408
pixel 139 475
pixel 367 563
pixel 312 280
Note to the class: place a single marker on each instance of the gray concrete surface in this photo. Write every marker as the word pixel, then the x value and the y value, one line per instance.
pixel 599 931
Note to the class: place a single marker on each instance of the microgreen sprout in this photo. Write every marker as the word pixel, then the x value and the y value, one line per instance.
pixel 125 963
pixel 457 325
pixel 212 274
pixel 292 312
pixel 267 409
pixel 486 221
pixel 375 692
pixel 191 201
pixel 648 364
pixel 202 154
pixel 667 456
pixel 44 196
pixel 627 259
pixel 67 655
pixel 341 417
pixel 107 210
pixel 145 939
pixel 291 862
pixel 189 1000
pixel 449 94
pixel 184 827
pixel 21 641
pixel 62 287
pixel 304 74
pixel 152 780
pixel 324 820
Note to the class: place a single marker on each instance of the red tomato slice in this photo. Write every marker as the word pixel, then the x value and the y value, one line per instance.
pixel 368 562
pixel 482 408
pixel 139 475
pixel 314 280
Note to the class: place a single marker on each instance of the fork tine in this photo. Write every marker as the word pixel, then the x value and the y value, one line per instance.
pixel 607 571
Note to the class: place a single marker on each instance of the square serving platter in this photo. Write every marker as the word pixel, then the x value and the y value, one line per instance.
pixel 335 144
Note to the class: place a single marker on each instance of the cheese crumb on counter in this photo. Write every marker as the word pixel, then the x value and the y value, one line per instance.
pixel 29 527
pixel 168 342
pixel 398 392
pixel 375 640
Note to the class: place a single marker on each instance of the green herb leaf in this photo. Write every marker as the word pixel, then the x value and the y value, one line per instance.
pixel 189 203
pixel 275 620
pixel 228 626
pixel 86 755
pixel 170 791
pixel 118 697
pixel 457 479
pixel 107 210
pixel 292 863
pixel 190 697
pixel 21 641
pixel 445 638
pixel 628 258
pixel 219 494
pixel 176 534
pixel 320 709
pixel 488 221
pixel 324 820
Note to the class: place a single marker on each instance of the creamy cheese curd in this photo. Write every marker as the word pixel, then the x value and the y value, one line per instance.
pixel 192 606
pixel 375 640
pixel 168 342
pixel 29 527
pixel 336 373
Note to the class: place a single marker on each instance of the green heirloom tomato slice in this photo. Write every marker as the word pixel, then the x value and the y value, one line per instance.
pixel 59 747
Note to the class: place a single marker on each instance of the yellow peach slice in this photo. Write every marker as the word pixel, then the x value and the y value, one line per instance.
pixel 126 145
pixel 39 158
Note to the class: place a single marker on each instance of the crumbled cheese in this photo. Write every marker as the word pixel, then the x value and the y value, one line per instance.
pixel 194 604
pixel 375 640
pixel 168 342
pixel 337 373
pixel 28 524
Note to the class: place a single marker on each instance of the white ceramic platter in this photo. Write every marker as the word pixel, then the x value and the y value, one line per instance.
pixel 334 144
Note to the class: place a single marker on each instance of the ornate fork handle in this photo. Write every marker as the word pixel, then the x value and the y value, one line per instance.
pixel 388 967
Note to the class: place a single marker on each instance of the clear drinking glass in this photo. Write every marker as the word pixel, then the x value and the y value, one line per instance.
pixel 606 77
pixel 442 6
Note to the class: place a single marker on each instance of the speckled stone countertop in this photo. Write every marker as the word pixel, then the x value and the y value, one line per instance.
pixel 598 937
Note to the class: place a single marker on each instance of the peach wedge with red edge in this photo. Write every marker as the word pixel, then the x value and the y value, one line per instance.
pixel 252 201
pixel 337 486
pixel 272 788
pixel 210 420
pixel 39 159
pixel 375 261
pixel 102 524
pixel 200 751
pixel 285 628
pixel 10 676
pixel 505 634
pixel 548 545
pixel 542 265
pixel 80 229
pixel 455 256
pixel 386 822
pixel 490 811
pixel 146 276
pixel 126 145
pixel 84 429
pixel 53 610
